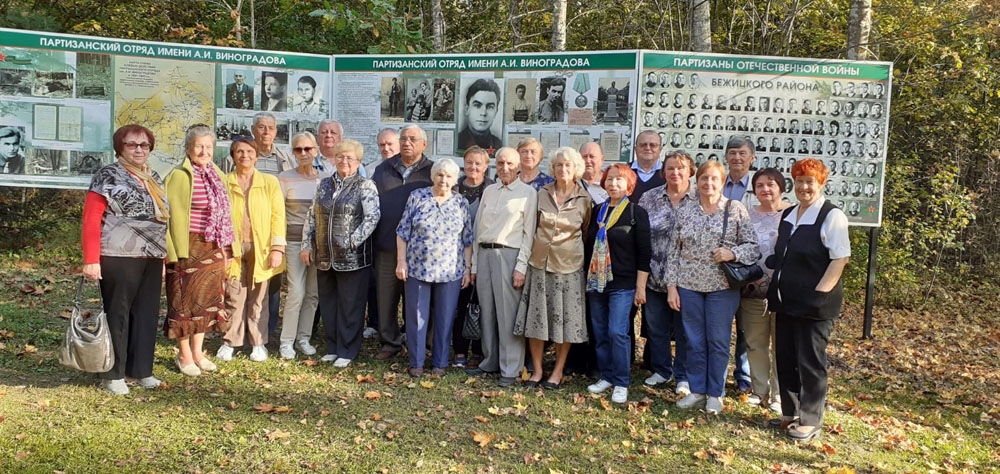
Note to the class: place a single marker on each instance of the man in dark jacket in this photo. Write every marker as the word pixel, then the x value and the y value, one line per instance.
pixel 395 178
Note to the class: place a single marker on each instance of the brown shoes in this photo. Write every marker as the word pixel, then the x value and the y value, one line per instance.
pixel 437 372
pixel 386 355
pixel 416 372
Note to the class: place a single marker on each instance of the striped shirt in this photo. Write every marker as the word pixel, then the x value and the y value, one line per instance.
pixel 299 193
pixel 199 205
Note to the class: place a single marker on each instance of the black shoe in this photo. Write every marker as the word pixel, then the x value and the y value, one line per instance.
pixel 506 381
pixel 476 372
pixel 550 385
pixel 530 383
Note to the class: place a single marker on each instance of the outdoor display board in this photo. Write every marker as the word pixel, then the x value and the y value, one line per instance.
pixel 564 99
pixel 65 95
pixel 62 96
pixel 791 109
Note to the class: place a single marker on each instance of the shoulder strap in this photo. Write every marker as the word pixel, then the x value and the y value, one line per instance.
pixel 725 223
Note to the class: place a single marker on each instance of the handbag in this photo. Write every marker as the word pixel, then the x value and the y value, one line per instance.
pixel 738 274
pixel 471 328
pixel 87 345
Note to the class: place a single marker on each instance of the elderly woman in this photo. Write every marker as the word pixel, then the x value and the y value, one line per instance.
pixel 754 316
pixel 618 239
pixel 551 308
pixel 200 237
pixel 471 187
pixel 124 243
pixel 661 321
pixel 344 213
pixel 697 286
pixel 298 186
pixel 806 292
pixel 433 259
pixel 258 210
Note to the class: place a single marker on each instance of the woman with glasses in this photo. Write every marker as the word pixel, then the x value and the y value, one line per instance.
pixel 337 240
pixel 298 186
pixel 200 237
pixel 124 242
pixel 258 211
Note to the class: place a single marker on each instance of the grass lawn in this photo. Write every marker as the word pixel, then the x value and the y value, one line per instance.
pixel 921 396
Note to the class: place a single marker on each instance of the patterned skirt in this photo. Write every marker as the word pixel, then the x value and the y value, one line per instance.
pixel 195 290
pixel 551 307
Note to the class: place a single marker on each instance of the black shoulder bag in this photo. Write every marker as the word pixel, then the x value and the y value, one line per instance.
pixel 738 274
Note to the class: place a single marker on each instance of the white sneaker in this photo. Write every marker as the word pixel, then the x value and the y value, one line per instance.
pixel 340 363
pixel 620 395
pixel 225 353
pixel 286 351
pixel 149 383
pixel 328 358
pixel 116 386
pixel 369 333
pixel 753 399
pixel 683 388
pixel 690 400
pixel 599 387
pixel 306 348
pixel 775 405
pixel 713 406
pixel 655 380
pixel 258 354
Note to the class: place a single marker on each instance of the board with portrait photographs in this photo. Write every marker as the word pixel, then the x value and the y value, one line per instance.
pixel 563 99
pixel 791 109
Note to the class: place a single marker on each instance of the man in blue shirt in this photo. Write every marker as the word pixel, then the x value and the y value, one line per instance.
pixel 739 156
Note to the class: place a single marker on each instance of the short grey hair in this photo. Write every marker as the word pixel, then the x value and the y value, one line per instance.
pixel 525 142
pixel 306 134
pixel 263 115
pixel 568 153
pixel 444 164
pixel 330 122
pixel 387 130
pixel 423 134
pixel 503 151
pixel 737 142
pixel 195 132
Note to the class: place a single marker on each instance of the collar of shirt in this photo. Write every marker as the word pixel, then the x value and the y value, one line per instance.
pixel 646 175
pixel 731 186
pixel 321 163
pixel 808 217
pixel 513 184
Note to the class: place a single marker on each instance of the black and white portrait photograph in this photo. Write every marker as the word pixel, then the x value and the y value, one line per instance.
pixel 480 103
pixel 552 99
pixel 239 88
pixel 273 91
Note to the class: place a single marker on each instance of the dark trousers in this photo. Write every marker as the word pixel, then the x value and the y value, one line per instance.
pixel 800 350
pixel 390 291
pixel 342 309
pixel 582 357
pixel 372 302
pixel 663 324
pixel 130 288
pixel 741 363
pixel 273 302
pixel 459 343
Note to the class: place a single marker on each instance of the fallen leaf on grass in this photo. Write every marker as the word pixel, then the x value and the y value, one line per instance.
pixel 283 409
pixel 30 349
pixel 365 378
pixel 725 457
pixel 427 384
pixel 20 436
pixel 372 395
pixel 66 313
pixel 840 470
pixel 822 447
pixel 309 362
pixel 482 419
pixel 276 434
pixel 264 408
pixel 482 439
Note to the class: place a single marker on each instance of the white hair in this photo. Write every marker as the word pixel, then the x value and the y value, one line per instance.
pixel 569 154
pixel 509 151
pixel 423 134
pixel 306 134
pixel 444 164
pixel 263 115
pixel 195 132
pixel 329 122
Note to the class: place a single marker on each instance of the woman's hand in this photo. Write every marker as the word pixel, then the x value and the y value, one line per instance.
pixel 92 271
pixel 306 256
pixel 640 295
pixel 274 259
pixel 673 298
pixel 723 254
pixel 466 279
pixel 401 270
pixel 518 280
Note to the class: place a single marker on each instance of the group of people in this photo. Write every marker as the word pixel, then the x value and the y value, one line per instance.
pixel 566 260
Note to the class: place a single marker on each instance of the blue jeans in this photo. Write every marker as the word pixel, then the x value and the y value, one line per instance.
pixel 741 371
pixel 419 295
pixel 609 315
pixel 662 325
pixel 708 325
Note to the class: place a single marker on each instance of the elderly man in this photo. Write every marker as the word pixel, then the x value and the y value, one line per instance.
pixel 270 159
pixel 740 155
pixel 388 146
pixel 647 163
pixel 530 152
pixel 593 160
pixel 395 178
pixel 11 151
pixel 505 227
pixel 330 134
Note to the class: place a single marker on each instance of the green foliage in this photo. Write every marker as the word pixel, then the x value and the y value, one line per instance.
pixel 377 24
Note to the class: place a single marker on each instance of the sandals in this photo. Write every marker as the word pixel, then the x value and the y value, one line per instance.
pixel 797 434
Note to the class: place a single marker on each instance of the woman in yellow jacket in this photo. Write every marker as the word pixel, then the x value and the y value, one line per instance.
pixel 258 210
pixel 199 242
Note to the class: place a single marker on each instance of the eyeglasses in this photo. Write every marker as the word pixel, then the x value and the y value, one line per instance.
pixel 133 145
pixel 648 145
pixel 409 139
pixel 345 158
pixel 303 149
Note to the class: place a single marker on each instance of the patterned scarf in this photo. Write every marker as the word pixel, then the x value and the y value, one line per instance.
pixel 219 228
pixel 599 272
pixel 145 173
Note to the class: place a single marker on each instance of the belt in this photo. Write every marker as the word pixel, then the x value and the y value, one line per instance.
pixel 484 245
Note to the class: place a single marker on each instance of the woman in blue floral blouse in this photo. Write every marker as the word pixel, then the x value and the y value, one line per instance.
pixel 433 258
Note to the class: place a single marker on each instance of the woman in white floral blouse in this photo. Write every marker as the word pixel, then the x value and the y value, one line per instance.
pixel 697 286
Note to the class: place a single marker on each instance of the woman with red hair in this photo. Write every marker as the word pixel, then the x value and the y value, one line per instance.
pixel 619 250
pixel 806 292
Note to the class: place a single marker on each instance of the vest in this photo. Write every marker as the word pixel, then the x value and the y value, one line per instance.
pixel 338 215
pixel 799 262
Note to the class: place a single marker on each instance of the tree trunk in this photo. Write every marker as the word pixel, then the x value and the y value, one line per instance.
pixel 253 24
pixel 559 25
pixel 437 22
pixel 701 26
pixel 859 25
pixel 237 15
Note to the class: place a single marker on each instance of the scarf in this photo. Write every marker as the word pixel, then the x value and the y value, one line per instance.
pixel 599 272
pixel 219 228
pixel 145 173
